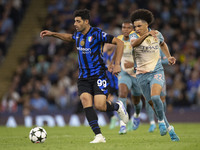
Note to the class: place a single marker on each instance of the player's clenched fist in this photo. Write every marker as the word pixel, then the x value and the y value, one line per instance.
pixel 172 60
pixel 45 33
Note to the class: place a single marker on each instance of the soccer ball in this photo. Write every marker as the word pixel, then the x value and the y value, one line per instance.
pixel 38 135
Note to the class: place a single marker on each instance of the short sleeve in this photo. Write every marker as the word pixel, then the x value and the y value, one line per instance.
pixel 104 37
pixel 160 37
pixel 74 36
pixel 133 36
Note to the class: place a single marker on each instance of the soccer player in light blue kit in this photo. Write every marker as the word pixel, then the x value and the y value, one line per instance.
pixel 108 54
pixel 150 112
pixel 149 70
pixel 127 79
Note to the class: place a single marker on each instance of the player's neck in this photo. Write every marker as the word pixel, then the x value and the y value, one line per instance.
pixel 86 30
pixel 126 38
pixel 141 34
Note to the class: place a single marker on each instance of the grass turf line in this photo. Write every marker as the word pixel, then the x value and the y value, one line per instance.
pixel 76 138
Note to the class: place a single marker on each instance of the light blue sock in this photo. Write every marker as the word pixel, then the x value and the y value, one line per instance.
pixel 150 112
pixel 165 119
pixel 138 107
pixel 165 106
pixel 166 122
pixel 123 100
pixel 158 106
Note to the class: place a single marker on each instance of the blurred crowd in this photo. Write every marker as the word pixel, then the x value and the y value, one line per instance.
pixel 46 78
pixel 11 14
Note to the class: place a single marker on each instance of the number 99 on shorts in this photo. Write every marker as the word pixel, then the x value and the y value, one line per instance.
pixel 101 83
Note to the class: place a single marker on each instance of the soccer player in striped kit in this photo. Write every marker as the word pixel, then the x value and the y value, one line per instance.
pixel 93 84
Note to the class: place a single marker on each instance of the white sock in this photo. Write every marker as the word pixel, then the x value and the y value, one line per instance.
pixel 152 122
pixel 122 123
pixel 100 134
pixel 169 128
pixel 136 115
pixel 161 121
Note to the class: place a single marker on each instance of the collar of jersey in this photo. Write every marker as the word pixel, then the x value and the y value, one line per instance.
pixel 87 32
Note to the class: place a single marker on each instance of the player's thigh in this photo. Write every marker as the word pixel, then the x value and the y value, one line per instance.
pixel 143 81
pixel 85 86
pixel 123 90
pixel 85 92
pixel 157 83
pixel 135 89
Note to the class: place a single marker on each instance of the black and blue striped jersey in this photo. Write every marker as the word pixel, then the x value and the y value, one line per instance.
pixel 90 52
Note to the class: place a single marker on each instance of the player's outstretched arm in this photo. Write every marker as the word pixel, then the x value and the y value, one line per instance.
pixel 164 48
pixel 62 36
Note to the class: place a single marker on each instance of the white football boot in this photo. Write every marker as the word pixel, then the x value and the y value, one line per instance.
pixel 122 112
pixel 99 138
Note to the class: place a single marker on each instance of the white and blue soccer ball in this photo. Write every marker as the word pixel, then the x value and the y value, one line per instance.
pixel 38 135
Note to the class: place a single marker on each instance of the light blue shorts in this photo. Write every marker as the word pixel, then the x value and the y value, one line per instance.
pixel 146 81
pixel 131 83
pixel 163 92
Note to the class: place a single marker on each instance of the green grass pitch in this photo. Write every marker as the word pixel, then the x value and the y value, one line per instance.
pixel 78 138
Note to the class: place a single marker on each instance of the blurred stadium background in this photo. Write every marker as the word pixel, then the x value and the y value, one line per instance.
pixel 44 72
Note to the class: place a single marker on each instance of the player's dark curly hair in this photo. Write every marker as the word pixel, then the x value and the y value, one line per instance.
pixel 127 21
pixel 142 14
pixel 83 13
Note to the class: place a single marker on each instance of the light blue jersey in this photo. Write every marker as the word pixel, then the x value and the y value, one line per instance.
pixel 149 69
pixel 127 76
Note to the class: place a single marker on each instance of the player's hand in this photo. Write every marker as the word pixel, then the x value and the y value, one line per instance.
pixel 116 70
pixel 128 64
pixel 45 33
pixel 172 60
pixel 110 67
pixel 153 33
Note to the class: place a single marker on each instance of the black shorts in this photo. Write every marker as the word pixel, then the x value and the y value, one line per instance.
pixel 113 91
pixel 94 86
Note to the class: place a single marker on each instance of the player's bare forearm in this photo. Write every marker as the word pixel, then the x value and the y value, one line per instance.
pixel 138 41
pixel 119 51
pixel 62 36
pixel 165 49
pixel 114 57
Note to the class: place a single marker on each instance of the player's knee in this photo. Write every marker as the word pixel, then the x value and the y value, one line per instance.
pixel 123 93
pixel 155 98
pixel 150 103
pixel 100 107
pixel 162 98
pixel 136 99
pixel 85 101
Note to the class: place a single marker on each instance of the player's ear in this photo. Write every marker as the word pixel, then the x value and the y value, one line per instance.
pixel 87 21
pixel 146 25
